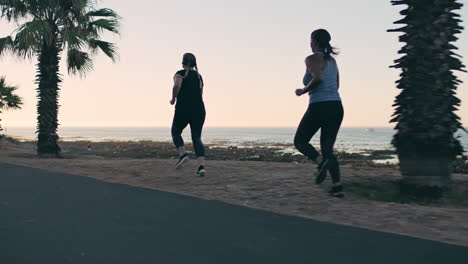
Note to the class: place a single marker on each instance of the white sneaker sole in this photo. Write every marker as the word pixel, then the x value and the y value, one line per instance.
pixel 201 173
pixel 181 163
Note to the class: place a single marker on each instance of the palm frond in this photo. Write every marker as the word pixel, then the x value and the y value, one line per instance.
pixel 103 12
pixel 12 102
pixel 81 4
pixel 108 48
pixel 31 36
pixel 13 10
pixel 72 36
pixel 6 45
pixel 78 61
pixel 8 100
pixel 102 24
pixel 72 13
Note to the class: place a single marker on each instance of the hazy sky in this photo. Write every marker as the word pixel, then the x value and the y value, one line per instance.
pixel 250 52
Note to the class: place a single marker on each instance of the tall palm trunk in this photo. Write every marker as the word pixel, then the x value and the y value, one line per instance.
pixel 48 80
pixel 1 129
pixel 425 108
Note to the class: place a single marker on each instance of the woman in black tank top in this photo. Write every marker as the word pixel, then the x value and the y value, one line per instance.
pixel 187 95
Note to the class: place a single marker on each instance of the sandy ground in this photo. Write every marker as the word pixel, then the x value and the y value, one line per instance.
pixel 279 187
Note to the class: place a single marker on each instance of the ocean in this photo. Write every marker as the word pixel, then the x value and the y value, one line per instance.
pixel 355 139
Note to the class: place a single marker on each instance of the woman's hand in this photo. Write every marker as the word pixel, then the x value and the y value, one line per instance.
pixel 172 101
pixel 300 92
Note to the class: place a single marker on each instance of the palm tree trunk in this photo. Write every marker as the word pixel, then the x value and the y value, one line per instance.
pixel 1 129
pixel 48 80
pixel 426 171
pixel 425 109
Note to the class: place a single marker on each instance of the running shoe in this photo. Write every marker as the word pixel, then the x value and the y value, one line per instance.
pixel 337 191
pixel 184 158
pixel 201 171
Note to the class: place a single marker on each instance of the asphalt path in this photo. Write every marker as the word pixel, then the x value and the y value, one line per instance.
pixel 56 218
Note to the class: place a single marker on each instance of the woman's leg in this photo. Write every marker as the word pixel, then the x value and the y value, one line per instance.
pixel 330 128
pixel 196 127
pixel 309 125
pixel 178 125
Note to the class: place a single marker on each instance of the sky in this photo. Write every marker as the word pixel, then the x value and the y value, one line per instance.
pixel 250 52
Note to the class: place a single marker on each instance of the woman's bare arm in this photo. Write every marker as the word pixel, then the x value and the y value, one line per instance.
pixel 314 64
pixel 337 78
pixel 202 85
pixel 176 87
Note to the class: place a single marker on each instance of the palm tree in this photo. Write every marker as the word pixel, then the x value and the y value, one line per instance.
pixel 425 109
pixel 8 99
pixel 47 28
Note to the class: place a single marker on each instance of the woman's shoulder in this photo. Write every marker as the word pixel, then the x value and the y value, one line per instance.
pixel 191 73
pixel 313 55
pixel 314 58
pixel 181 73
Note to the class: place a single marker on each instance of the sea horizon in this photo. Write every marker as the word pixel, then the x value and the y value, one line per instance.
pixel 138 126
pixel 350 139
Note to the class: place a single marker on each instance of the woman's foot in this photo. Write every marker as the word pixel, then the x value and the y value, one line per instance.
pixel 182 159
pixel 337 191
pixel 201 171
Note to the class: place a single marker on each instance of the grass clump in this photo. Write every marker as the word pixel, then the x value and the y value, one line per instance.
pixel 395 191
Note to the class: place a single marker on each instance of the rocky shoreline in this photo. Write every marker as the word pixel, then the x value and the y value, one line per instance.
pixel 250 152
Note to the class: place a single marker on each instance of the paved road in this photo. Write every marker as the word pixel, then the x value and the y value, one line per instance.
pixel 55 218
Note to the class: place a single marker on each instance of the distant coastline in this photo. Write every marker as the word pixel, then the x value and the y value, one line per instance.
pixel 350 139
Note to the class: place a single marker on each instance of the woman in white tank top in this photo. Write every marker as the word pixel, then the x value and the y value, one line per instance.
pixel 325 111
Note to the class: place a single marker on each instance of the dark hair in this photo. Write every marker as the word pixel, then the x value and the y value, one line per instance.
pixel 190 60
pixel 323 38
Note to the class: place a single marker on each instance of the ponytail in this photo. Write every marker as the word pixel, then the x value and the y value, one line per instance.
pixel 329 50
pixel 199 75
pixel 196 69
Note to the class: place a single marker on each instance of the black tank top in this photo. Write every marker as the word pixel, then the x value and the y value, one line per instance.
pixel 190 95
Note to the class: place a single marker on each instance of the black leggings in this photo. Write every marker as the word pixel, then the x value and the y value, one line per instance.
pixel 196 119
pixel 326 116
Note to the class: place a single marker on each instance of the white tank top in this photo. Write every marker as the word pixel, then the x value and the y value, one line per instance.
pixel 327 90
